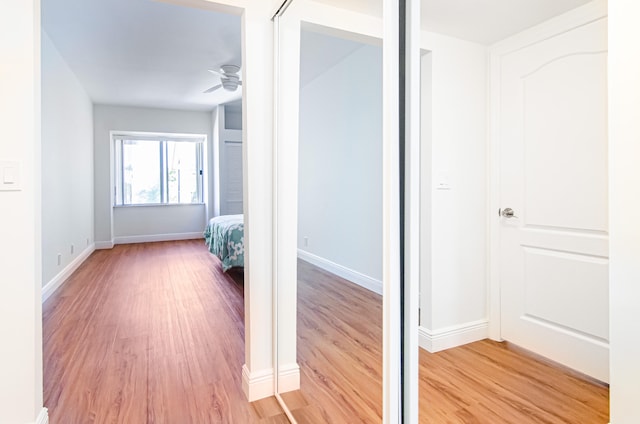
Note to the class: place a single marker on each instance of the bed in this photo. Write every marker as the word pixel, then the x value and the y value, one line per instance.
pixel 224 236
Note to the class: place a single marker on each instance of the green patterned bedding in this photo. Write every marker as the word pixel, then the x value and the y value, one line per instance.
pixel 224 236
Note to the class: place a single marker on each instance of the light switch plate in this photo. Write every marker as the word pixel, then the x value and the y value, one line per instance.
pixel 443 182
pixel 10 176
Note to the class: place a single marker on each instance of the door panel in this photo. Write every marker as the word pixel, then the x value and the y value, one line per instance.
pixel 553 173
pixel 576 288
pixel 231 183
pixel 564 123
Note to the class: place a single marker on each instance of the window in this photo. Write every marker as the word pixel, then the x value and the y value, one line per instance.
pixel 154 169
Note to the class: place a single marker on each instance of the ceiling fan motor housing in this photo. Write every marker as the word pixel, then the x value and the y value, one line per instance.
pixel 229 69
pixel 230 82
pixel 229 78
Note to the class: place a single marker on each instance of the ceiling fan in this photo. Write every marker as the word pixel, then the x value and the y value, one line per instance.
pixel 229 78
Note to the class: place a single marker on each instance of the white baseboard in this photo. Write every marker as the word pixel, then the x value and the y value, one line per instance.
pixel 57 281
pixel 100 245
pixel 288 378
pixel 342 271
pixel 448 337
pixel 43 417
pixel 257 385
pixel 157 237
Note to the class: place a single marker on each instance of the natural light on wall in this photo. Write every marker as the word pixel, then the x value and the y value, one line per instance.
pixel 153 169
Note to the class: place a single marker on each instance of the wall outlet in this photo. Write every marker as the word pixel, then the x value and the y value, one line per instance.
pixel 72 249
pixel 59 258
pixel 306 242
pixel 87 242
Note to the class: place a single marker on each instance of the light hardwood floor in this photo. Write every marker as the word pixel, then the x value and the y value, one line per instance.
pixel 153 333
pixel 339 350
pixel 339 345
pixel 491 382
pixel 148 333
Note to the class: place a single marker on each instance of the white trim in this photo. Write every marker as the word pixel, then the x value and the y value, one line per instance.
pixel 116 161
pixel 157 237
pixel 56 282
pixel 557 25
pixel 99 245
pixel 454 336
pixel 43 417
pixel 411 301
pixel 288 377
pixel 160 136
pixel 391 301
pixel 493 179
pixel 355 277
pixel 257 385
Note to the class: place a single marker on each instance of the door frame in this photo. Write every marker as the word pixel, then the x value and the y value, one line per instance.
pixel 553 27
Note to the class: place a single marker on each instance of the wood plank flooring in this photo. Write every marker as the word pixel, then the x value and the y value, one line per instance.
pixel 153 333
pixel 339 342
pixel 339 350
pixel 148 333
pixel 491 382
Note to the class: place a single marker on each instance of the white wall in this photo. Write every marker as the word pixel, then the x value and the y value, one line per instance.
pixel 67 165
pixel 147 220
pixel 257 144
pixel 340 168
pixel 453 287
pixel 148 223
pixel 20 226
pixel 426 189
pixel 624 203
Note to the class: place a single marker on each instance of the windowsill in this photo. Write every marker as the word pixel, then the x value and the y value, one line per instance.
pixel 155 205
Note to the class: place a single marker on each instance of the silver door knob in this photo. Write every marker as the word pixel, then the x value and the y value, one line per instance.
pixel 508 213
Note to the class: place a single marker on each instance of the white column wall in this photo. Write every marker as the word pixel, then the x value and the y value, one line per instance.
pixel 624 204
pixel 257 137
pixel 453 174
pixel 20 227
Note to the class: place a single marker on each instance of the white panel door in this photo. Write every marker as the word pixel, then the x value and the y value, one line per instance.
pixel 553 175
pixel 231 181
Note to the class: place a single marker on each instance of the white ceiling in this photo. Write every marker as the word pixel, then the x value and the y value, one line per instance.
pixel 489 21
pixel 143 52
pixel 155 54
pixel 319 52
pixel 482 21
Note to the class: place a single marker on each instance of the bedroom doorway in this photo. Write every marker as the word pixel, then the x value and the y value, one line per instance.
pixel 172 94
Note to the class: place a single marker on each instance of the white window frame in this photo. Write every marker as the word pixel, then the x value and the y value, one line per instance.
pixel 117 140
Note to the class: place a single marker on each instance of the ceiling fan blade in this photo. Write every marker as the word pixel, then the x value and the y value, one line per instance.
pixel 220 74
pixel 214 88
